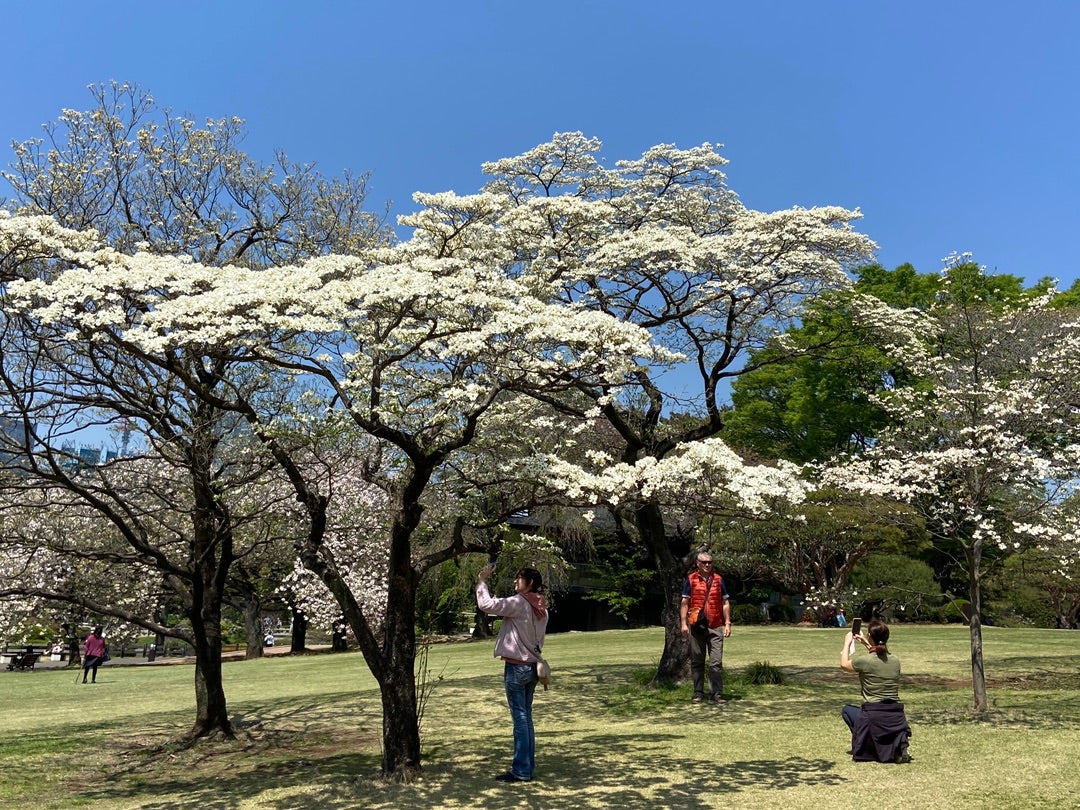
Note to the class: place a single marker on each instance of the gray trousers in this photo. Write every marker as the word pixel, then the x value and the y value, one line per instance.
pixel 707 646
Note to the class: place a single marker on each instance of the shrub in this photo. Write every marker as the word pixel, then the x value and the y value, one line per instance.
pixel 232 632
pixel 952 612
pixel 747 614
pixel 762 672
pixel 782 613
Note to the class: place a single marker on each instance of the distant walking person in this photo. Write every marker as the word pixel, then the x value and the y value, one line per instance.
pixel 95 654
pixel 705 616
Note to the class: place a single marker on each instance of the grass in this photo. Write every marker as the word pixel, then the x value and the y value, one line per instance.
pixel 310 728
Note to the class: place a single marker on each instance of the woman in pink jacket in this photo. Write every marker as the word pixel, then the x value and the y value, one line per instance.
pixel 95 654
pixel 521 637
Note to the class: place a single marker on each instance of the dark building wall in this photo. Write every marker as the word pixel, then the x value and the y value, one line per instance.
pixel 573 610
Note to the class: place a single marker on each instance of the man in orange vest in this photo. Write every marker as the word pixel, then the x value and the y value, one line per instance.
pixel 704 593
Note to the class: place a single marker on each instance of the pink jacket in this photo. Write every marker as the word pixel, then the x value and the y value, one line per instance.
pixel 524 625
pixel 95 645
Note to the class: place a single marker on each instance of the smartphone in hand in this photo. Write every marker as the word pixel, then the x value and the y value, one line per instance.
pixel 856 628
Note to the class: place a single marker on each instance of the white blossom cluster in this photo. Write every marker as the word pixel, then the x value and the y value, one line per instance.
pixel 703 474
pixel 355 546
pixel 66 552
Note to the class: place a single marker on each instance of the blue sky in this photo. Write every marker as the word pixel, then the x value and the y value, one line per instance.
pixel 951 125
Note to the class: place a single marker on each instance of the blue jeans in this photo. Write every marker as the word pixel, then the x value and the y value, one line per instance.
pixel 521 682
pixel 849 713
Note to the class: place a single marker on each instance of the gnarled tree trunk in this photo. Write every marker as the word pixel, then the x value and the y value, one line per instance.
pixel 674 665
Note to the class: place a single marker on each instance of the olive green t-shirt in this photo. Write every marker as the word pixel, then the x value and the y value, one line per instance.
pixel 879 675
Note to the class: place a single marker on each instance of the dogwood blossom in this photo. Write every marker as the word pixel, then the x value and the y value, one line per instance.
pixel 984 445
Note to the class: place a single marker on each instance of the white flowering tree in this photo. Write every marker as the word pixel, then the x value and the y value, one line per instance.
pixel 141 175
pixel 986 445
pixel 661 242
pixel 185 511
pixel 100 543
pixel 59 571
pixel 144 178
pixel 411 345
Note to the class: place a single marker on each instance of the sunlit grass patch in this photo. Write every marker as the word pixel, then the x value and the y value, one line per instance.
pixel 309 731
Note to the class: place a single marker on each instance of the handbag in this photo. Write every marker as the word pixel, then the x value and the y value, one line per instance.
pixel 543 668
pixel 543 671
pixel 701 623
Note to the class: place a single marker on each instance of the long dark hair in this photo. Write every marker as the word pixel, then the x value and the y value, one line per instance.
pixel 878 632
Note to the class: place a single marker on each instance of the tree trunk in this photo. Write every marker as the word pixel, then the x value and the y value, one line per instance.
pixel 481 625
pixel 674 663
pixel 159 638
pixel 390 653
pixel 401 725
pixel 253 629
pixel 298 636
pixel 211 556
pixel 401 721
pixel 978 672
pixel 211 713
pixel 339 640
pixel 71 639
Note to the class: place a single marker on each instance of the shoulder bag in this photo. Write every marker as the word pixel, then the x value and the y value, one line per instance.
pixel 543 668
pixel 701 623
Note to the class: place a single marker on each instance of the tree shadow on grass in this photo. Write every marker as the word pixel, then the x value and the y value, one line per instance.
pixel 309 780
pixel 1033 720
pixel 563 781
pixel 324 752
pixel 281 746
pixel 597 773
pixel 661 780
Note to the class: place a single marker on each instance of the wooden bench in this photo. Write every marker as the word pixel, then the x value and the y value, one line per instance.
pixel 23 661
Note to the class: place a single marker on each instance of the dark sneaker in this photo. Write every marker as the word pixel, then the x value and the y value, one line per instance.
pixel 509 777
pixel 903 759
pixel 697 699
pixel 716 700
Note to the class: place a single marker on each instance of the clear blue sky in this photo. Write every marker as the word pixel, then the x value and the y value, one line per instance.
pixel 952 125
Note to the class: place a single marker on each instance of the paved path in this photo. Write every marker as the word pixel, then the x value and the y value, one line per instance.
pixel 137 660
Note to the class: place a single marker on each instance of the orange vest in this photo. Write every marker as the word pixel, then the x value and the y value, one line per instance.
pixel 714 611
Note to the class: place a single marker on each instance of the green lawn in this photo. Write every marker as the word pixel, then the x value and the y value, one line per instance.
pixel 310 729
